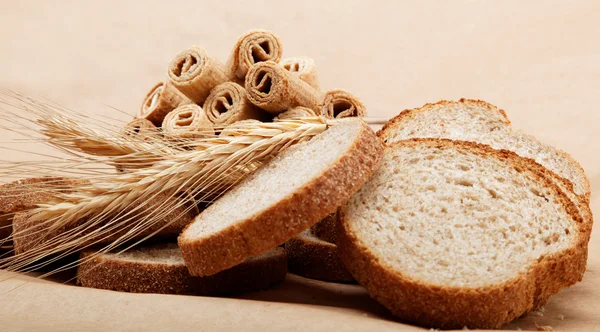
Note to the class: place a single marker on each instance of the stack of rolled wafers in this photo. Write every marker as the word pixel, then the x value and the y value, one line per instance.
pixel 201 95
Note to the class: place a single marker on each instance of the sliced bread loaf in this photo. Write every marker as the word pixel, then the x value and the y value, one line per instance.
pixel 311 257
pixel 160 269
pixel 450 234
pixel 478 121
pixel 293 191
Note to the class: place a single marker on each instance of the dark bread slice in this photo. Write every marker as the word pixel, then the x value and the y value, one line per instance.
pixel 311 257
pixel 326 229
pixel 25 194
pixel 450 234
pixel 160 269
pixel 282 198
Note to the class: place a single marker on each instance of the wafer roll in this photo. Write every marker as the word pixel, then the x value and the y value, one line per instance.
pixel 276 90
pixel 228 103
pixel 253 47
pixel 304 68
pixel 194 73
pixel 141 128
pixel 187 122
pixel 296 112
pixel 341 104
pixel 144 130
pixel 162 99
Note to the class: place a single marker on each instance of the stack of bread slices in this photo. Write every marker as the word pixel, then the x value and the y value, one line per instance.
pixel 448 216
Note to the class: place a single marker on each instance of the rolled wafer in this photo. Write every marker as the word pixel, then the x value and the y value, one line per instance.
pixel 253 47
pixel 187 122
pixel 341 104
pixel 296 112
pixel 160 269
pixel 162 99
pixel 228 103
pixel 311 257
pixel 142 128
pixel 304 68
pixel 194 73
pixel 276 90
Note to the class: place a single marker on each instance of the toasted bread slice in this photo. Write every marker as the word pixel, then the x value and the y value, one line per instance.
pixel 287 195
pixel 34 235
pixel 311 257
pixel 450 234
pixel 22 195
pixel 160 269
pixel 480 122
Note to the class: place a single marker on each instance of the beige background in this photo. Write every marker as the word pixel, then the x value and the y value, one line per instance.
pixel 539 60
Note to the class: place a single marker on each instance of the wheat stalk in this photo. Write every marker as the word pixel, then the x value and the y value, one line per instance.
pixel 105 202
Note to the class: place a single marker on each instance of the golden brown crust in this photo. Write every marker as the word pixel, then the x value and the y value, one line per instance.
pixel 110 272
pixel 393 122
pixel 326 229
pixel 289 216
pixel 313 258
pixel 484 307
pixel 29 235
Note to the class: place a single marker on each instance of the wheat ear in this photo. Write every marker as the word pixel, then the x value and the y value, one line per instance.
pixel 195 172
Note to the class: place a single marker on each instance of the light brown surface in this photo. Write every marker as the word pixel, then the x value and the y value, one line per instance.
pixel 538 60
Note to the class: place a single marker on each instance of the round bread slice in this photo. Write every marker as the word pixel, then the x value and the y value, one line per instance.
pixel 450 234
pixel 160 269
pixel 313 258
pixel 287 195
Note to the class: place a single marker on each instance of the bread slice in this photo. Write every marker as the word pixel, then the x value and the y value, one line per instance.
pixel 478 121
pixel 326 229
pixel 160 269
pixel 25 194
pixel 287 195
pixel 450 234
pixel 31 235
pixel 311 257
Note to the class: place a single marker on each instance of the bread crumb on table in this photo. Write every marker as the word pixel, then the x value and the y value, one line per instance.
pixel 544 327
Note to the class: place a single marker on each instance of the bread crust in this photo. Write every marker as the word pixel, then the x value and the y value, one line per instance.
pixel 289 216
pixel 311 257
pixel 483 307
pixel 109 272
